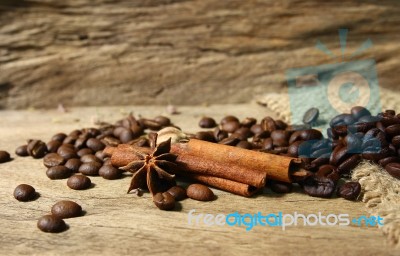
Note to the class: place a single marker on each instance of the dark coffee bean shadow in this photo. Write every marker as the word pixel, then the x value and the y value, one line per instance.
pixel 178 207
pixel 84 212
pixel 92 185
pixel 35 197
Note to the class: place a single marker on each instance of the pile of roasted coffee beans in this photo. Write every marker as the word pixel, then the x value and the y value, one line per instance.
pixel 351 138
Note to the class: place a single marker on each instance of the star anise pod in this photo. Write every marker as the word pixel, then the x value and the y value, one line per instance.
pixel 150 169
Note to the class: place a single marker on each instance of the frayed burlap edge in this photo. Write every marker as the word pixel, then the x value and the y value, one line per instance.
pixel 381 195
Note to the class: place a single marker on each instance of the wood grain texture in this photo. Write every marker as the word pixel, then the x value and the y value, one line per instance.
pixel 101 52
pixel 117 223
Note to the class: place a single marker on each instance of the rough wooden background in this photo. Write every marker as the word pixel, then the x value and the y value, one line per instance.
pixel 117 223
pixel 101 52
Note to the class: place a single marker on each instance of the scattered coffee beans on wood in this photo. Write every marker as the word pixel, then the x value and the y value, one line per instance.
pixel 22 150
pixel 24 193
pixel 164 201
pixel 79 182
pixel 51 224
pixel 66 209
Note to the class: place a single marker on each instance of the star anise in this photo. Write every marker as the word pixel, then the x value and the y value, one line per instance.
pixel 150 169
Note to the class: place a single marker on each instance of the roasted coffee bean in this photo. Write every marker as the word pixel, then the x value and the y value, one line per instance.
pixel 70 139
pixel 53 145
pixel 244 144
pixel 321 152
pixel 387 121
pixel 220 134
pixel 267 144
pixel 280 125
pixel 66 152
pixel 349 164
pixel 359 112
pixel 248 122
pixel 118 130
pixel 150 124
pixel 229 119
pixel 318 186
pixel 390 112
pixel 4 156
pixel 107 161
pixel 73 164
pixel 22 150
pixel 230 141
pixel 281 150
pixel 95 144
pixel 340 130
pixel 328 171
pixel 162 120
pixel 24 192
pixel 243 133
pixel 109 172
pixel 268 124
pixel 111 141
pixel 305 148
pixel 321 144
pixel 37 148
pixel 90 158
pixel 376 134
pixel 373 155
pixel 280 138
pixel 391 159
pixel 316 163
pixel 369 119
pixel 293 149
pixel 393 130
pixel 90 169
pixel 126 135
pixel 66 209
pixel 230 127
pixel 206 136
pixel 53 159
pixel 256 129
pixel 75 133
pixel 199 192
pixel 331 134
pixel 342 119
pixel 59 137
pixel 58 172
pixel 100 155
pixel 349 190
pixel 79 182
pixel 338 156
pixel 311 116
pixel 393 169
pixel 207 122
pixel 311 134
pixel 353 143
pixel 84 151
pixel 280 187
pixel 51 224
pixel 164 201
pixel 396 141
pixel 296 136
pixel 81 141
pixel 177 192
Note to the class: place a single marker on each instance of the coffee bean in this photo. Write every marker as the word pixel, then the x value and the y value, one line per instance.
pixel 162 120
pixel 109 172
pixel 220 134
pixel 164 201
pixel 59 137
pixel 328 171
pixel 393 169
pixel 199 192
pixel 70 139
pixel 66 209
pixel 37 148
pixel 396 141
pixel 375 154
pixel 84 151
pixel 230 141
pixel 311 116
pixel 248 122
pixel 78 182
pixel 318 186
pixel 66 152
pixel 100 155
pixel 207 122
pixel 90 169
pixel 24 192
pixel 150 124
pixel 95 144
pixel 111 141
pixel 230 127
pixel 73 164
pixel 126 135
pixel 342 119
pixel 268 144
pixel 206 136
pixel 311 134
pixel 58 172
pixel 256 129
pixel 53 145
pixel 268 124
pixel 90 158
pixel 22 150
pixel 52 159
pixel 51 224
pixel 75 133
pixel 244 144
pixel 349 190
pixel 280 187
pixel 369 119
pixel 293 149
pixel 243 133
pixel 391 159
pixel 280 138
pixel 393 130
pixel 359 112
pixel 177 192
pixel 321 152
pixel 390 112
pixel 229 119
pixel 281 125
pixel 349 164
pixel 338 155
pixel 296 136
pixel 4 156
pixel 81 141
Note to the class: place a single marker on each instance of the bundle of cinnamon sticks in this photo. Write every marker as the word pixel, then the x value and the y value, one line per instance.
pixel 236 170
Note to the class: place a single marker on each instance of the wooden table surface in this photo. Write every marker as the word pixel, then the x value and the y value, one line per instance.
pixel 117 223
